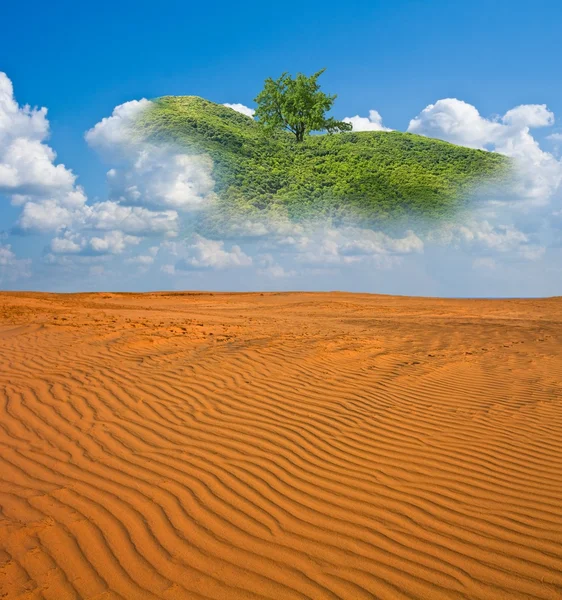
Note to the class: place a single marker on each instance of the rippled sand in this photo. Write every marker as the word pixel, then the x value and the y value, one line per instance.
pixel 279 446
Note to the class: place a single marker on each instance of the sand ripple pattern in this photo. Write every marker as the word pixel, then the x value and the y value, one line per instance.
pixel 279 446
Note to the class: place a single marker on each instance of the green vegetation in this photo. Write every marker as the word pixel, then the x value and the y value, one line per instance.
pixel 366 177
pixel 296 105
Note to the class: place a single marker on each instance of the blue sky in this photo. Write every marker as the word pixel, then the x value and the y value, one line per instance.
pixel 80 60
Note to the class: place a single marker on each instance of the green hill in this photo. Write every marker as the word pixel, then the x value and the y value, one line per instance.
pixel 365 176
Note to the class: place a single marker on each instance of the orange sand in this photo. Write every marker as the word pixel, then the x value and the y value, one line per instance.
pixel 279 446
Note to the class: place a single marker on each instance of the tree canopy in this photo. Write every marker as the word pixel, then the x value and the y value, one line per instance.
pixel 296 105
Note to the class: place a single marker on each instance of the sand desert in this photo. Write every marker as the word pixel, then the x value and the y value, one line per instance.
pixel 279 446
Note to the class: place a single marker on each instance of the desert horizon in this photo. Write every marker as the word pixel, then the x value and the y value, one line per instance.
pixel 266 292
pixel 279 445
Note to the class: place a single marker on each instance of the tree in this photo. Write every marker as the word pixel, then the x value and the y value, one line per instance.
pixel 296 105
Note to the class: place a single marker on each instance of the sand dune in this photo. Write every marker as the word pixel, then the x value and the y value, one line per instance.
pixel 279 446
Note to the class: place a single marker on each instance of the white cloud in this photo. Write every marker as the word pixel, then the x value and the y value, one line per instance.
pixel 27 168
pixel 499 237
pixel 245 110
pixel 148 185
pixel 45 216
pixel 211 254
pixel 457 122
pixel 70 243
pixel 131 219
pixel 163 179
pixel 376 242
pixel 149 175
pixel 529 115
pixel 352 245
pixel 371 123
pixel 202 253
pixel 115 133
pixel 12 267
pixel 539 173
pixel 113 242
pixel 28 173
pixel 19 121
pixel 50 215
pixel 484 237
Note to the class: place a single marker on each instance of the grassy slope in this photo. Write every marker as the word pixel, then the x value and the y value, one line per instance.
pixel 367 175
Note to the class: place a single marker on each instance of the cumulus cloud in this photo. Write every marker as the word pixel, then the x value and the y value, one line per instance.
pixel 202 253
pixel 149 175
pixel 160 179
pixel 499 237
pixel 211 254
pixel 112 242
pixel 51 216
pixel 28 173
pixel 457 122
pixel 371 123
pixel 45 216
pixel 539 173
pixel 130 219
pixel 28 169
pixel 19 121
pixel 149 186
pixel 529 115
pixel 116 132
pixel 245 110
pixel 70 243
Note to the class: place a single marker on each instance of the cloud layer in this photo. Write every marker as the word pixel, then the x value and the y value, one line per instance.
pixel 144 233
